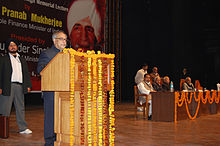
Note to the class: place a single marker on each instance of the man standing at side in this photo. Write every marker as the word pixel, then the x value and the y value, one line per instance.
pixel 59 43
pixel 140 74
pixel 14 83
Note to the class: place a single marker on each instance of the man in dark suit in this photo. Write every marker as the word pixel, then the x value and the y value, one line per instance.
pixel 59 43
pixel 166 84
pixel 157 84
pixel 14 83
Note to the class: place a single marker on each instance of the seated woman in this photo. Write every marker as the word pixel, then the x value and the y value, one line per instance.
pixel 188 85
pixel 157 84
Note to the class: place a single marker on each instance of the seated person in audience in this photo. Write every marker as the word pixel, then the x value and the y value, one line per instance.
pixel 157 84
pixel 140 74
pixel 166 84
pixel 154 74
pixel 188 85
pixel 145 87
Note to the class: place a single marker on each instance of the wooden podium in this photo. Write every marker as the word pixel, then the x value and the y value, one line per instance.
pixel 81 81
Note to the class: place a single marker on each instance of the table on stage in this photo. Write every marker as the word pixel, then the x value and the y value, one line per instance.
pixel 163 107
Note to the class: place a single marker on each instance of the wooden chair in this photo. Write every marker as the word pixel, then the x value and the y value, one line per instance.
pixel 197 85
pixel 137 104
pixel 181 84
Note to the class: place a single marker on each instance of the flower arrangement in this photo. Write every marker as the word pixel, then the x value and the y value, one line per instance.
pixel 181 97
pixel 97 119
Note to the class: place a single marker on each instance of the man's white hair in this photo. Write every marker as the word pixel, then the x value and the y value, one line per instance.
pixel 81 9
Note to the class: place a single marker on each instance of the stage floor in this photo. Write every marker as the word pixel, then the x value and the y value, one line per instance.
pixel 202 131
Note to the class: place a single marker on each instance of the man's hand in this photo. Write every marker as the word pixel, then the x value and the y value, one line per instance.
pixel 29 90
pixel 0 91
pixel 153 91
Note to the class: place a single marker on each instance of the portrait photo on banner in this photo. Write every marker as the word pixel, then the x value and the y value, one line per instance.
pixel 85 24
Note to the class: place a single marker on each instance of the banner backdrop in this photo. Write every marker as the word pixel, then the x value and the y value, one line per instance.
pixel 32 23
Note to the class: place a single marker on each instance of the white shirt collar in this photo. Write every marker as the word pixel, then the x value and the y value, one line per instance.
pixel 147 83
pixel 17 55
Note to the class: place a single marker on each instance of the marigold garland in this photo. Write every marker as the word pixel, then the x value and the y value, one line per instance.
pixel 184 97
pixel 94 98
pixel 217 97
pixel 100 105
pixel 189 99
pixel 197 110
pixel 72 100
pixel 199 96
pixel 204 100
pixel 177 94
pixel 210 98
pixel 97 98
pixel 82 104
pixel 99 55
pixel 111 108
pixel 181 100
pixel 105 104
pixel 89 102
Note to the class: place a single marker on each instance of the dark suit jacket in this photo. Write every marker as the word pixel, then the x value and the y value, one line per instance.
pixel 157 87
pixel 45 57
pixel 6 72
pixel 48 96
pixel 165 87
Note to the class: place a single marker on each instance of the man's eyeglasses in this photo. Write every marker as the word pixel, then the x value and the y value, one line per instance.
pixel 61 39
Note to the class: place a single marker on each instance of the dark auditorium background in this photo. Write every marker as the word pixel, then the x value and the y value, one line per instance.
pixel 171 34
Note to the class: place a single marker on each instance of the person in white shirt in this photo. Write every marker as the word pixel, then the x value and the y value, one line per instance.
pixel 14 83
pixel 140 74
pixel 145 87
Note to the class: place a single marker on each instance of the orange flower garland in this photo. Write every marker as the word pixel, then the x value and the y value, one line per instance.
pixel 94 98
pixel 187 110
pixel 199 96
pixel 177 94
pixel 89 102
pixel 96 79
pixel 100 105
pixel 189 99
pixel 184 97
pixel 105 104
pixel 217 97
pixel 82 104
pixel 181 100
pixel 204 100
pixel 111 108
pixel 210 98
pixel 72 100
